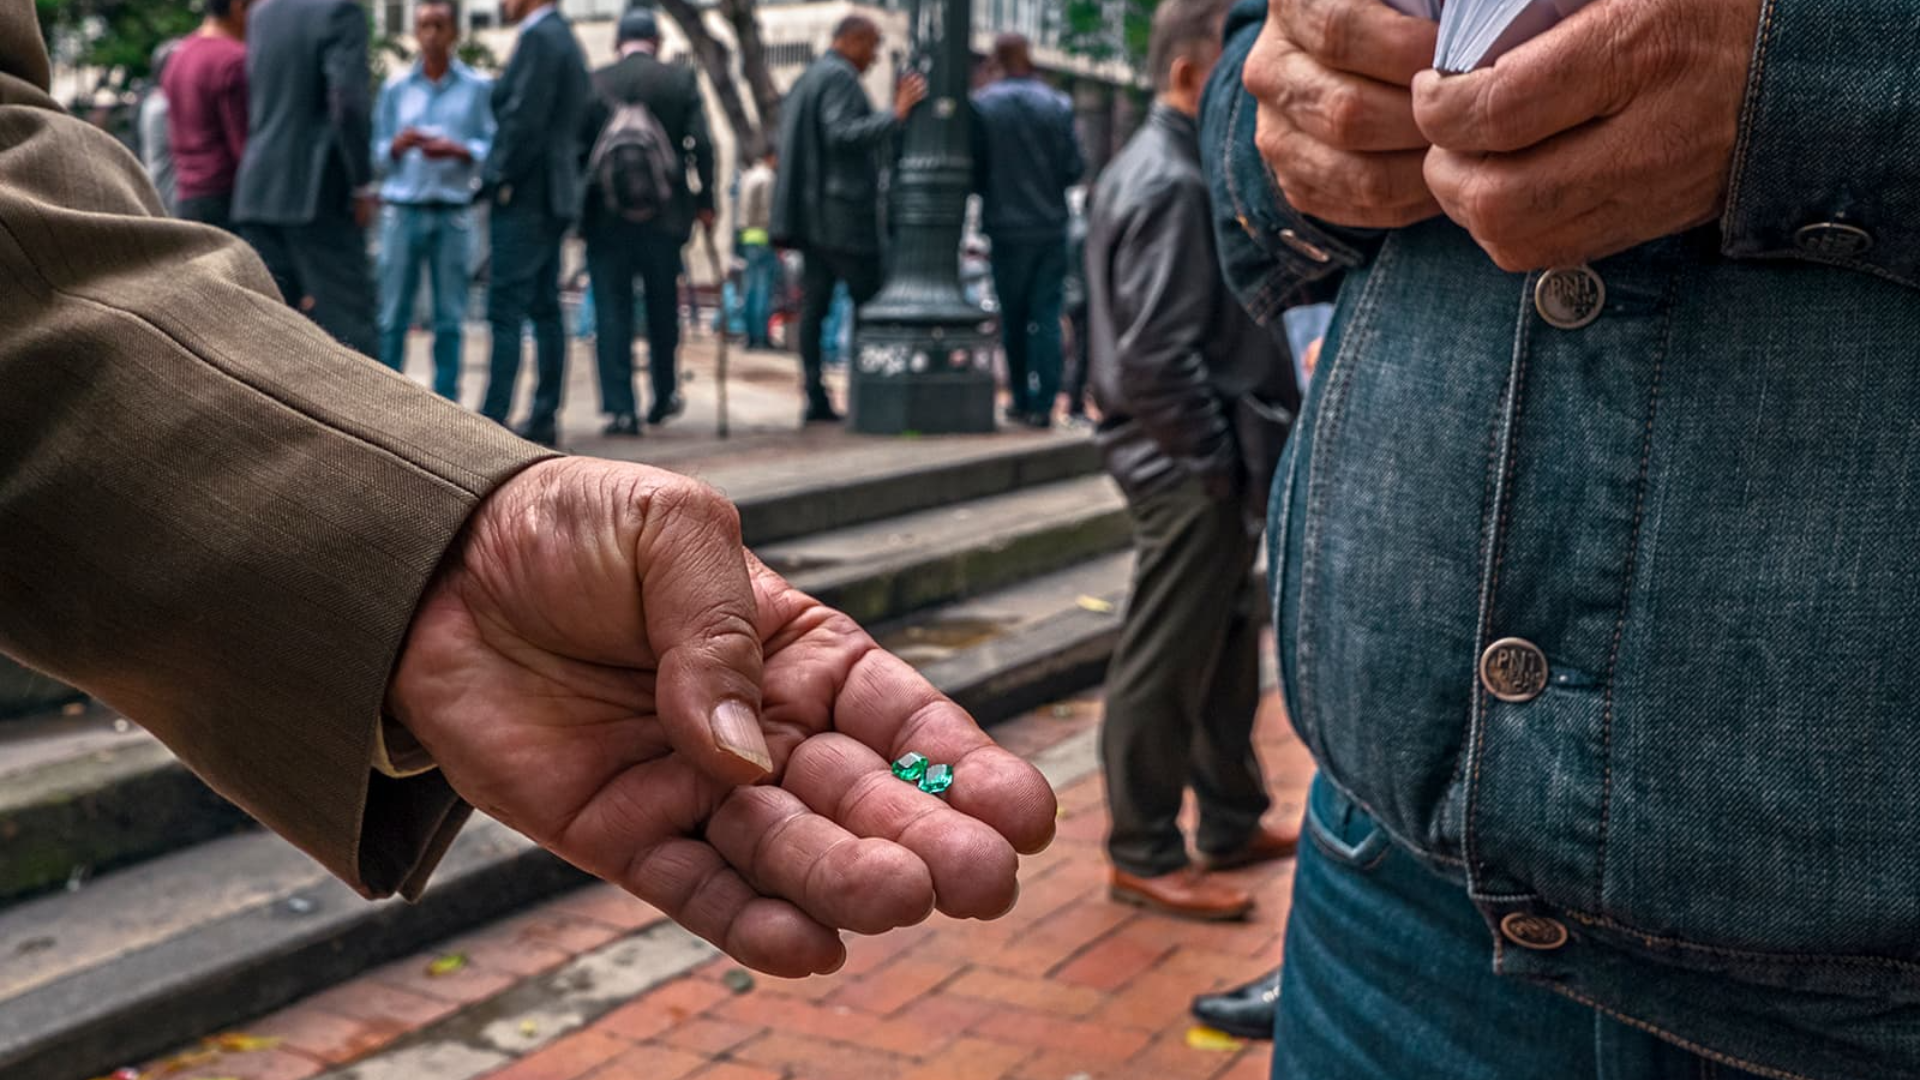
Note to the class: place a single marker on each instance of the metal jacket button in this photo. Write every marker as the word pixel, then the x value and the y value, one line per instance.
pixel 1533 931
pixel 1513 669
pixel 1569 297
pixel 1833 239
pixel 1304 246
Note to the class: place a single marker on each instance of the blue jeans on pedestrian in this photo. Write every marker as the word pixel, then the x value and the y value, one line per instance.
pixel 440 239
pixel 1389 973
pixel 1029 277
pixel 525 287
pixel 763 271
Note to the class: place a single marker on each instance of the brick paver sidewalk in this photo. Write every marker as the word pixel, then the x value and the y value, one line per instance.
pixel 595 985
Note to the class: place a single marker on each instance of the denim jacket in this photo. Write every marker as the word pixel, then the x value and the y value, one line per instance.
pixel 1682 538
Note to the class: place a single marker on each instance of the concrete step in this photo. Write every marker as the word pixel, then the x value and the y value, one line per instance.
pixel 786 486
pixel 906 564
pixel 88 792
pixel 795 495
pixel 145 958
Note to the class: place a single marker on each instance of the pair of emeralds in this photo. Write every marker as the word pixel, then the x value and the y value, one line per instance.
pixel 916 769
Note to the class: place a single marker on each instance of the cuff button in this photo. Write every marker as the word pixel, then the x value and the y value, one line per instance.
pixel 1833 240
pixel 1533 931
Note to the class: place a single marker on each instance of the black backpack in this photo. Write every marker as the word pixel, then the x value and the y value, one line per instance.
pixel 633 163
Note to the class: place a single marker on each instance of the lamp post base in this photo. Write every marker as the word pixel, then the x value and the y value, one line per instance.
pixel 920 377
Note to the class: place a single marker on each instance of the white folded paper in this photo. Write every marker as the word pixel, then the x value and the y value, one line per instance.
pixel 1475 33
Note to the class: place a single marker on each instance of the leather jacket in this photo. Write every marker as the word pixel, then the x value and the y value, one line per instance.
pixel 1189 387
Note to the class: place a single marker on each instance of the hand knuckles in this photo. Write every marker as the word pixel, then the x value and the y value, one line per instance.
pixel 1343 115
pixel 1373 185
pixel 1330 30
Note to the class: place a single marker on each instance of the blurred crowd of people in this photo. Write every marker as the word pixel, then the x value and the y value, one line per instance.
pixel 255 123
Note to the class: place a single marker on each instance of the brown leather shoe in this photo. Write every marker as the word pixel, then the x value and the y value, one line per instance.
pixel 1185 894
pixel 1267 844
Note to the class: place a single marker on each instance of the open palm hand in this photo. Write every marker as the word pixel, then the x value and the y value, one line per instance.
pixel 601 666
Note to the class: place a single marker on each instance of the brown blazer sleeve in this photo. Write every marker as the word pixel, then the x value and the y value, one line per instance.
pixel 211 516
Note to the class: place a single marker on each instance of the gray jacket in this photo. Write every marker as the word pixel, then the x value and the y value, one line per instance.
pixel 1188 385
pixel 308 113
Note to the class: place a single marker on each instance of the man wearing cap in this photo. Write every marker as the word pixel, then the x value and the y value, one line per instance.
pixel 619 249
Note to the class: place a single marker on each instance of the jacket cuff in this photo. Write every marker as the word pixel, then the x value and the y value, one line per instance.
pixel 1272 256
pixel 1823 170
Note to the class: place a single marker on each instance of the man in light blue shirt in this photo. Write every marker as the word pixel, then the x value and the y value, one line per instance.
pixel 431 132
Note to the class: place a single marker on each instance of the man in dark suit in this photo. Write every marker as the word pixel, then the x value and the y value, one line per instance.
pixel 827 198
pixel 532 187
pixel 618 249
pixel 297 197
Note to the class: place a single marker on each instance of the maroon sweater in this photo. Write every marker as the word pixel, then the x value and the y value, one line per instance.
pixel 206 88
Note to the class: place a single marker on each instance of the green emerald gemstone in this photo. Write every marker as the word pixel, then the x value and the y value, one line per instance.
pixel 911 767
pixel 938 779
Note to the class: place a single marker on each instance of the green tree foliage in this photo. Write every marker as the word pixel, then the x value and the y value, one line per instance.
pixel 1109 29
pixel 116 36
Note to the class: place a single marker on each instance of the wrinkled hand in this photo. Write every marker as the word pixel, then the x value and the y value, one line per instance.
pixel 911 91
pixel 601 666
pixel 1614 128
pixel 1336 119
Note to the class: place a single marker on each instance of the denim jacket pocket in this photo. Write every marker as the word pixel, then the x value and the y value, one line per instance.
pixel 1342 830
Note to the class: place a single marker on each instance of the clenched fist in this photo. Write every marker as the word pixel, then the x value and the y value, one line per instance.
pixel 1336 122
pixel 1614 128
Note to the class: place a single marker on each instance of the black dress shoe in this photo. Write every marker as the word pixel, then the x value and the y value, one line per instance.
pixel 820 412
pixel 622 424
pixel 666 410
pixel 1245 1012
pixel 544 434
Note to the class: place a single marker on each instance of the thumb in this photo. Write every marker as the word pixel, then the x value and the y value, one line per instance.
pixel 699 607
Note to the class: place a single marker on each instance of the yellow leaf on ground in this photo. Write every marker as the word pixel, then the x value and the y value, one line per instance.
pixel 447 965
pixel 234 1042
pixel 1206 1038
pixel 1095 604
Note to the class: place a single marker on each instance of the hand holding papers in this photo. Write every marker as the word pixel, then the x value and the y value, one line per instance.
pixel 1475 33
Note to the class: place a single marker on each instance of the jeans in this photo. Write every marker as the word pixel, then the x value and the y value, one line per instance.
pixel 440 239
pixel 1184 684
pixel 763 274
pixel 1030 279
pixel 1389 973
pixel 617 253
pixel 861 272
pixel 525 285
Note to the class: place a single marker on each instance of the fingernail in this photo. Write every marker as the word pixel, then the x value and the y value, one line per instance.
pixel 736 727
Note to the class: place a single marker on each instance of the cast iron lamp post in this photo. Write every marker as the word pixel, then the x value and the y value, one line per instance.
pixel 920 361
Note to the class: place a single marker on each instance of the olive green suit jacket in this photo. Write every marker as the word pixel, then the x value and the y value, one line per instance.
pixel 213 517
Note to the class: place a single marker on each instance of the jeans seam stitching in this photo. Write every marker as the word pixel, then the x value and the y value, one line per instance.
pixel 1496 553
pixel 1842 963
pixel 1683 1043
pixel 1748 119
pixel 1327 423
pixel 1629 563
